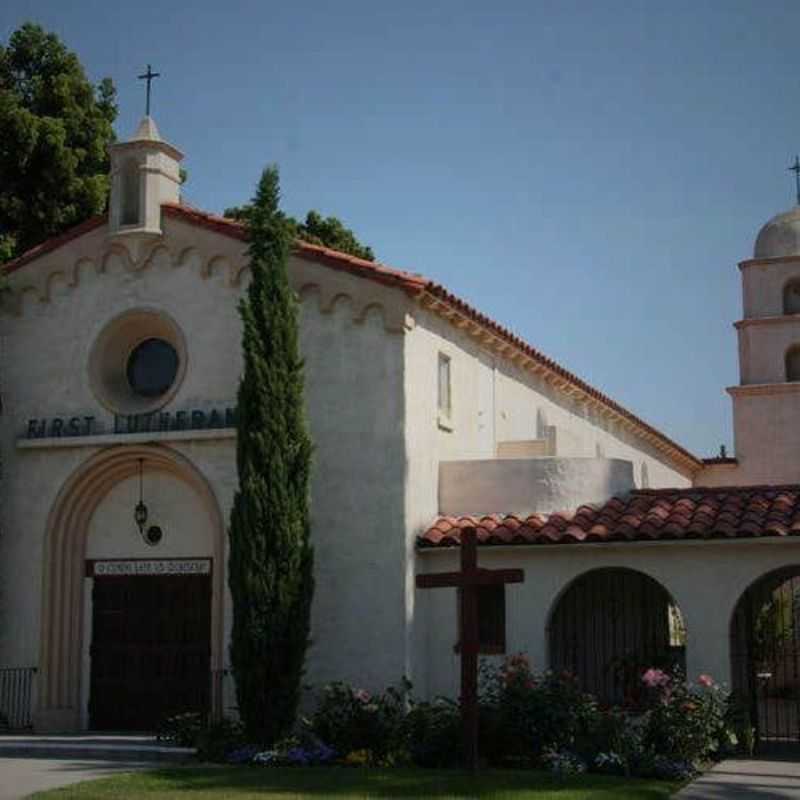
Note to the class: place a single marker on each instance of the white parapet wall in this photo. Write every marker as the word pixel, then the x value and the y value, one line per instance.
pixel 530 485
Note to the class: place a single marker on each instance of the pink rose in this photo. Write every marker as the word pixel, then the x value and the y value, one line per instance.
pixel 655 678
pixel 705 680
pixel 363 696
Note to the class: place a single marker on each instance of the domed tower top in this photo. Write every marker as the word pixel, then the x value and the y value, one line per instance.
pixel 780 236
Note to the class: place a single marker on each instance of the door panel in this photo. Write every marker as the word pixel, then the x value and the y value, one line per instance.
pixel 151 649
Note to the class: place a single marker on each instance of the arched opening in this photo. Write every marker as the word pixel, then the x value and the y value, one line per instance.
pixel 609 626
pixel 130 193
pixel 63 622
pixel 793 364
pixel 765 655
pixel 791 297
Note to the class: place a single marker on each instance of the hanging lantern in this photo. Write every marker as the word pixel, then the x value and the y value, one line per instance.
pixel 140 512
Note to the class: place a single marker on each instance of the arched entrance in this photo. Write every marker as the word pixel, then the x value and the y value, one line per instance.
pixel 609 626
pixel 64 624
pixel 765 655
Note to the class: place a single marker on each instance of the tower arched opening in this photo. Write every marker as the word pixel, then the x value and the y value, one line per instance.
pixel 792 363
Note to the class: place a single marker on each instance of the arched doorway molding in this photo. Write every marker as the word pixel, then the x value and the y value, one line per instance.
pixel 610 621
pixel 62 623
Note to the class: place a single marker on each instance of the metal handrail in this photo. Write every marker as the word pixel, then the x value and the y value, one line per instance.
pixel 16 697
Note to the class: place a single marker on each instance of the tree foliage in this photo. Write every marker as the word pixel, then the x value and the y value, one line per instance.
pixel 56 127
pixel 270 569
pixel 326 231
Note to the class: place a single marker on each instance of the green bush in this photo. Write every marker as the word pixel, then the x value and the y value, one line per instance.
pixel 431 733
pixel 213 740
pixel 216 740
pixel 686 722
pixel 349 719
pixel 524 715
pixel 182 730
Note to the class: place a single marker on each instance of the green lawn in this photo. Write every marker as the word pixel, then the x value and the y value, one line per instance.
pixel 249 783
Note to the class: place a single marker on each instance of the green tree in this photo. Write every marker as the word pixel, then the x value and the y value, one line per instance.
pixel 326 231
pixel 56 128
pixel 270 570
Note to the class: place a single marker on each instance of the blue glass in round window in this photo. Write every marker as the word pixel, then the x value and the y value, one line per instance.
pixel 152 367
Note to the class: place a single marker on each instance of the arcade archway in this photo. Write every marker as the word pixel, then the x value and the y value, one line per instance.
pixel 609 626
pixel 765 655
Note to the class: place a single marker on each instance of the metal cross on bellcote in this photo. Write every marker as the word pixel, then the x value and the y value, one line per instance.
pixel 796 169
pixel 148 76
pixel 469 579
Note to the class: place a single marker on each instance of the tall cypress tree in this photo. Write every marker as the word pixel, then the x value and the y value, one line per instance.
pixel 270 570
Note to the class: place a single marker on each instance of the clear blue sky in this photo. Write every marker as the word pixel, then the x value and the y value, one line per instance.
pixel 589 174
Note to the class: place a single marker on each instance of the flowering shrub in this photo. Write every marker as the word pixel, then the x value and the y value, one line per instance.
pixel 524 718
pixel 686 723
pixel 181 730
pixel 524 714
pixel 431 733
pixel 657 678
pixel 619 733
pixel 242 755
pixel 358 758
pixel 673 769
pixel 349 719
pixel 217 740
pixel 611 763
pixel 563 763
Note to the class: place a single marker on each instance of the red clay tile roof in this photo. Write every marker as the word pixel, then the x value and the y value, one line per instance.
pixel 372 270
pixel 54 243
pixel 643 516
pixel 416 286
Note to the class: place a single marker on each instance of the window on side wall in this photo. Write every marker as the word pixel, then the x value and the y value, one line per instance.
pixel 444 393
pixel 491 620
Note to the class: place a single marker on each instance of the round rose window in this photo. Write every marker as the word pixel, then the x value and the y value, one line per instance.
pixel 138 361
pixel 152 367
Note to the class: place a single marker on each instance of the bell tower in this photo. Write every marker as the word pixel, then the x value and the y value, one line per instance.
pixel 145 173
pixel 766 403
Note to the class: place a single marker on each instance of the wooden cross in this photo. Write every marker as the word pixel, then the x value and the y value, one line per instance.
pixel 469 579
pixel 148 76
pixel 796 169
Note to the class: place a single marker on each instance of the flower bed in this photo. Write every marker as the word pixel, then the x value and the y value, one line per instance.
pixel 525 719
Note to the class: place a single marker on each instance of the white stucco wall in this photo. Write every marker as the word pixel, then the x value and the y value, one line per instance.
pixel 766 425
pixel 526 486
pixel 763 283
pixel 763 345
pixel 351 339
pixel 492 401
pixel 706 580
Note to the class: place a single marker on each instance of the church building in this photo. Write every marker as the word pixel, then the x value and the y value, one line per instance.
pixel 120 361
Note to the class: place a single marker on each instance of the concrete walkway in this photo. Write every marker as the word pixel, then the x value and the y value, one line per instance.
pixel 31 763
pixel 21 777
pixel 768 778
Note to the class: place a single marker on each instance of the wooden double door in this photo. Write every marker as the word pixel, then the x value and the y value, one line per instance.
pixel 150 651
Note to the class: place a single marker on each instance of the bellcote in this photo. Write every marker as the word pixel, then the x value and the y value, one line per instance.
pixel 145 173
